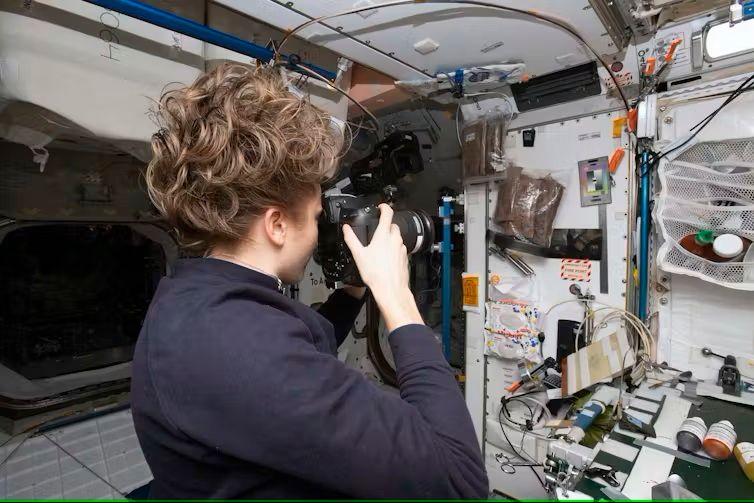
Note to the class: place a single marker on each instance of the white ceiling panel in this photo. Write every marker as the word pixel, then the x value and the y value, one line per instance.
pixel 466 35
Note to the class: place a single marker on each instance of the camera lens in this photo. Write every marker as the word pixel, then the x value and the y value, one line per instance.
pixel 417 230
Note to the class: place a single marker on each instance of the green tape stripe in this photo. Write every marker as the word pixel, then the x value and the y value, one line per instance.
pixel 623 439
pixel 590 488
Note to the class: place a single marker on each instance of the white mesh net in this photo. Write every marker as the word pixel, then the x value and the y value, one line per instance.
pixel 735 152
pixel 710 185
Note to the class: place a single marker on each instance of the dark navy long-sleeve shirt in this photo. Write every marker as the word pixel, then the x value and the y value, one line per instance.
pixel 237 393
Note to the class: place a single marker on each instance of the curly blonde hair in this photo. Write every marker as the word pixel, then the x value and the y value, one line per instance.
pixel 231 145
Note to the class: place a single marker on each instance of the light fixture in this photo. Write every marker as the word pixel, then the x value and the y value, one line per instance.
pixel 721 40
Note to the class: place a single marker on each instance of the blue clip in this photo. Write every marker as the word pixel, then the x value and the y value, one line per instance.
pixel 458 83
pixel 748 10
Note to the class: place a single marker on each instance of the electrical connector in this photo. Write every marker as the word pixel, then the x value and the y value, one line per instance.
pixel 736 13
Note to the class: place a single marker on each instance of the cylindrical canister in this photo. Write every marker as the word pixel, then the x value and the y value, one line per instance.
pixel 691 434
pixel 720 439
pixel 745 455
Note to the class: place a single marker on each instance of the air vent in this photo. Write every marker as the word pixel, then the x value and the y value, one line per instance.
pixel 558 87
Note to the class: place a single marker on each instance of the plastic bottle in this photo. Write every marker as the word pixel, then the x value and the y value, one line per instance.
pixel 700 244
pixel 691 434
pixel 720 439
pixel 745 455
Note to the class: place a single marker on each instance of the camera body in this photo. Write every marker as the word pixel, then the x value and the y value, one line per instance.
pixel 332 253
pixel 398 155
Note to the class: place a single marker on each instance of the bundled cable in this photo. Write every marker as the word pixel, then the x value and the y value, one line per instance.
pixel 537 416
pixel 520 452
pixel 746 85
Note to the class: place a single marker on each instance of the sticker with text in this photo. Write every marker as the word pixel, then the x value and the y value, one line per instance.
pixel 576 269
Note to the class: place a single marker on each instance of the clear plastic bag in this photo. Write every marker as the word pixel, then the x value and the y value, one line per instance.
pixel 548 201
pixel 495 133
pixel 512 319
pixel 511 330
pixel 483 135
pixel 527 205
pixel 525 347
pixel 473 143
pixel 524 289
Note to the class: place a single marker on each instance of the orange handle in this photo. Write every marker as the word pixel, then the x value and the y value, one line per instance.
pixel 615 159
pixel 671 50
pixel 633 119
pixel 513 387
pixel 649 67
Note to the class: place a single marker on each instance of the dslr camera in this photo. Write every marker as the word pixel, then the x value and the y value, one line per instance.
pixel 390 160
pixel 333 255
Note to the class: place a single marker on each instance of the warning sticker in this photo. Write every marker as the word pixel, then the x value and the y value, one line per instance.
pixel 470 290
pixel 576 269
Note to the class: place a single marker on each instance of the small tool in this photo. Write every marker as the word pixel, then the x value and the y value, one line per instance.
pixel 729 377
pixel 508 466
pixel 709 352
pixel 606 474
pixel 665 366
pixel 514 259
pixel 548 363
pixel 682 377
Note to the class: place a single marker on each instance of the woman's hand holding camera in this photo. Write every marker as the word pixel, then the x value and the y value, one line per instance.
pixel 383 266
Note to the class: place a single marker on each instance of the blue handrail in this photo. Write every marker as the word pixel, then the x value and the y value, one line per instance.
pixel 644 237
pixel 446 247
pixel 167 20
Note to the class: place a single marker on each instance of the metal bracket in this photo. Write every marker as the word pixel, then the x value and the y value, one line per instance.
pixel 697 51
pixel 604 269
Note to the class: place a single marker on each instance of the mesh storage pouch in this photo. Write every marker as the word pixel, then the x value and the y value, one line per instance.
pixel 709 186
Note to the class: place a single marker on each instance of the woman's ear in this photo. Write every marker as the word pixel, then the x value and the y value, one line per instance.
pixel 275 225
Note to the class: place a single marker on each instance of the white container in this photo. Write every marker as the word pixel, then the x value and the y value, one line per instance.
pixel 720 440
pixel 691 434
pixel 728 246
